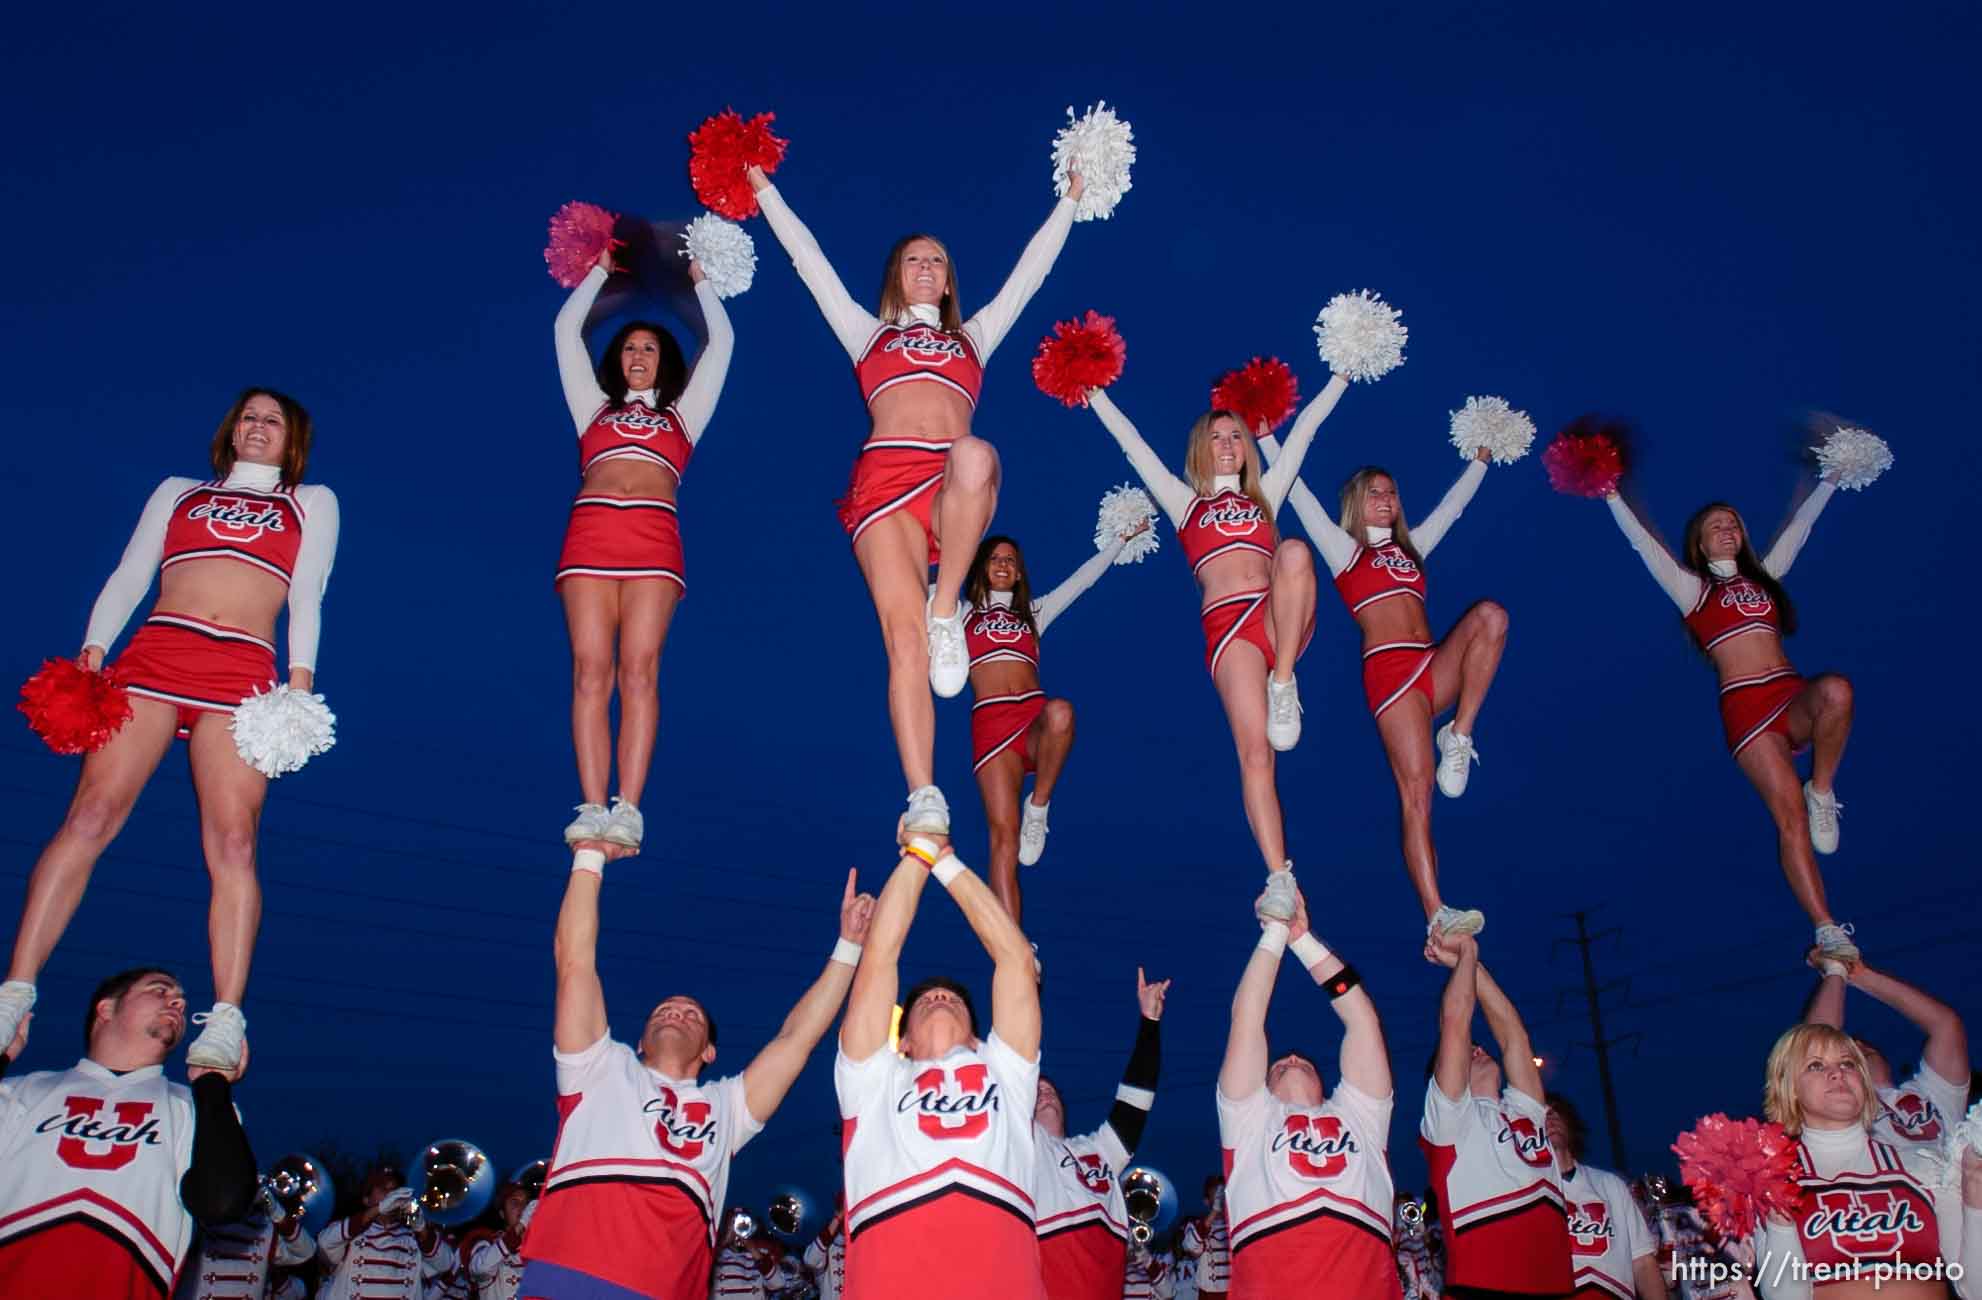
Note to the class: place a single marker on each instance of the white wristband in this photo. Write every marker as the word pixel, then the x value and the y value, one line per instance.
pixel 591 860
pixel 947 869
pixel 1273 937
pixel 846 952
pixel 1310 950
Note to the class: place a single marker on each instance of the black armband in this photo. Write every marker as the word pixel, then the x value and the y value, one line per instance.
pixel 1138 1091
pixel 220 1185
pixel 1342 981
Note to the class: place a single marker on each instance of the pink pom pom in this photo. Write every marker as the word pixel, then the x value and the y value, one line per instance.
pixel 1261 393
pixel 1079 355
pixel 1741 1172
pixel 579 233
pixel 1586 459
pixel 721 150
pixel 74 710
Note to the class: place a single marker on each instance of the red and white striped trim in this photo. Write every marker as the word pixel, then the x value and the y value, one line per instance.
pixel 625 452
pixel 218 631
pixel 226 553
pixel 1252 600
pixel 952 1176
pixel 1010 740
pixel 1588 1275
pixel 1743 630
pixel 939 447
pixel 151 1253
pixel 1093 1215
pixel 1423 663
pixel 915 376
pixel 1541 1191
pixel 626 503
pixel 1003 654
pixel 1227 549
pixel 1317 1204
pixel 1367 601
pixel 1760 679
pixel 627 1169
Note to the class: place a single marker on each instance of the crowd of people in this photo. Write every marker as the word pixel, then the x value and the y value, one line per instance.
pixel 963 1175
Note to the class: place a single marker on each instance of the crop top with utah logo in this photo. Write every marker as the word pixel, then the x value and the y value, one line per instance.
pixel 1378 570
pixel 914 349
pixel 1222 523
pixel 215 521
pixel 639 1170
pixel 1731 607
pixel 993 632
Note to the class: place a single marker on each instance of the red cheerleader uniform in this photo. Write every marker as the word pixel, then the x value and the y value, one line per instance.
pixel 903 473
pixel 199 666
pixel 1221 524
pixel 1395 668
pixel 1749 706
pixel 997 722
pixel 619 537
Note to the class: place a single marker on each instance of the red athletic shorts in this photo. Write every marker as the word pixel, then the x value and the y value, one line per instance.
pixel 1241 618
pixel 1750 706
pixel 895 474
pixel 998 722
pixel 622 538
pixel 201 667
pixel 1392 670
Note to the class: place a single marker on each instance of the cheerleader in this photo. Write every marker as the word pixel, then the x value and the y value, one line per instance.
pixel 1738 613
pixel 1014 728
pixel 924 488
pixel 639 414
pixel 1408 679
pixel 1877 1216
pixel 228 555
pixel 1925 1109
pixel 1258 591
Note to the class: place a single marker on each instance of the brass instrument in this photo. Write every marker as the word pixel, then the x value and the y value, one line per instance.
pixel 1144 1190
pixel 452 1182
pixel 299 1183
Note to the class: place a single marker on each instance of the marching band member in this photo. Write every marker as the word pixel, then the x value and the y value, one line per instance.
pixel 924 488
pixel 640 413
pixel 1611 1245
pixel 1735 607
pixel 644 1145
pixel 1145 1276
pixel 1867 1202
pixel 496 1262
pixel 1492 1166
pixel 938 1138
pixel 237 1259
pixel 1258 590
pixel 1083 1222
pixel 386 1250
pixel 104 1167
pixel 228 555
pixel 825 1255
pixel 1207 1241
pixel 1307 1182
pixel 1014 727
pixel 1925 1109
pixel 1408 679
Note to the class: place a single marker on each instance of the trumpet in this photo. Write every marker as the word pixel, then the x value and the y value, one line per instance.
pixel 452 1182
pixel 742 1224
pixel 1144 1190
pixel 786 1213
pixel 299 1184
pixel 1412 1213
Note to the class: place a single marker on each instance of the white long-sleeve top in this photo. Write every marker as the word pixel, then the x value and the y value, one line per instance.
pixel 1056 602
pixel 582 395
pixel 854 326
pixel 384 1262
pixel 1684 585
pixel 1173 494
pixel 1338 548
pixel 496 1269
pixel 132 578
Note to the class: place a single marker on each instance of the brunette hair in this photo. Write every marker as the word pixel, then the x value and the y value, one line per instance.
pixel 1745 562
pixel 894 302
pixel 295 439
pixel 667 385
pixel 977 584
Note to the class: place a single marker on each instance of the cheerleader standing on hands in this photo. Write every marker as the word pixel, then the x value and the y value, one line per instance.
pixel 924 488
pixel 639 415
pixel 1015 728
pixel 1409 679
pixel 1258 608
pixel 1738 613
pixel 228 555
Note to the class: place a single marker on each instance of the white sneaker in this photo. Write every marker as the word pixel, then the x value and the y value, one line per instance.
pixel 624 825
pixel 1276 901
pixel 1456 757
pixel 1453 921
pixel 1825 813
pixel 1032 832
pixel 219 1045
pixel 1283 713
pixel 16 1000
pixel 949 658
pixel 590 824
pixel 928 812
pixel 1834 944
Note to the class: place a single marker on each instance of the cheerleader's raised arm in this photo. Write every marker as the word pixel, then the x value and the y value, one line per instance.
pixel 579 377
pixel 1172 494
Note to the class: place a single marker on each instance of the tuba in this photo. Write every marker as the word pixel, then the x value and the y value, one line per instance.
pixel 452 1182
pixel 1145 1191
pixel 299 1183
pixel 531 1177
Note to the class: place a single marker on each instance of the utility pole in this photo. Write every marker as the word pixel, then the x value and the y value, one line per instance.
pixel 1593 994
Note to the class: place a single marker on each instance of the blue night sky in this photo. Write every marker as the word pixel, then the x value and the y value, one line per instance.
pixel 1713 227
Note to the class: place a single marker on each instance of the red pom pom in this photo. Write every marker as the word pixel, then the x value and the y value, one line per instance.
pixel 1585 460
pixel 74 710
pixel 720 150
pixel 1741 1172
pixel 579 233
pixel 1079 355
pixel 1261 393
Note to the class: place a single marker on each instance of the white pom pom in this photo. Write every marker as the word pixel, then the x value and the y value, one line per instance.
pixel 1360 335
pixel 1853 458
pixel 725 252
pixel 1101 147
pixel 280 730
pixel 1123 510
pixel 1490 422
